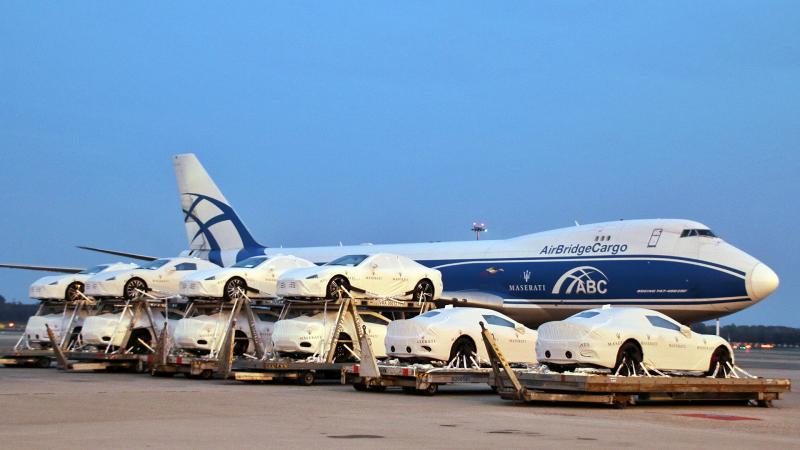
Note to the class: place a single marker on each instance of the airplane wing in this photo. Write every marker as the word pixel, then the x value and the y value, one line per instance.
pixel 41 268
pixel 118 253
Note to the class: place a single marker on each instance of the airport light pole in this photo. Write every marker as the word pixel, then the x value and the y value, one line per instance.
pixel 478 228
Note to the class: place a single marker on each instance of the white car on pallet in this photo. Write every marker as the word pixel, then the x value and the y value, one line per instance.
pixel 454 335
pixel 378 275
pixel 203 333
pixel 68 287
pixel 310 335
pixel 160 276
pixel 111 326
pixel 257 276
pixel 59 317
pixel 624 339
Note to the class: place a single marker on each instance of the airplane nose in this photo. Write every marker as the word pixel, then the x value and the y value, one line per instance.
pixel 762 281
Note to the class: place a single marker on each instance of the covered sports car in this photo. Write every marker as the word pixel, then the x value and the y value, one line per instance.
pixel 378 275
pixel 629 340
pixel 454 335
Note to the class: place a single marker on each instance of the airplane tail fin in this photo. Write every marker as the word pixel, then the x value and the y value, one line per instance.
pixel 211 222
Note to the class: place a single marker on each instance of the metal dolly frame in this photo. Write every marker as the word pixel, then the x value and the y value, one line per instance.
pixel 25 356
pixel 621 391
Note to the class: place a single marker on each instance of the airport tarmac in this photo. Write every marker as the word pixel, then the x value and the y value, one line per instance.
pixel 46 408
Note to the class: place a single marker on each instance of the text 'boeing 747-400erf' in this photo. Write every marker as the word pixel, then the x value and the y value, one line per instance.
pixel 675 266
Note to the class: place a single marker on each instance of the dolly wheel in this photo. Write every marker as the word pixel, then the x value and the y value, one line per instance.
pixel 307 379
pixel 432 389
pixel 43 363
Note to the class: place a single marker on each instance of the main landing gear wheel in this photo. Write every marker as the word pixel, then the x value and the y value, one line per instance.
pixel 132 288
pixel 629 359
pixel 720 357
pixel 423 292
pixel 338 285
pixel 74 291
pixel 234 288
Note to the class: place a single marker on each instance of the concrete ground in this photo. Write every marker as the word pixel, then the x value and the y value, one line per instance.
pixel 46 408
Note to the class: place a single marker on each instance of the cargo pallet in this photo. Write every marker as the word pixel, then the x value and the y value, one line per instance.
pixel 28 358
pixel 25 356
pixel 621 391
pixel 413 379
pixel 303 372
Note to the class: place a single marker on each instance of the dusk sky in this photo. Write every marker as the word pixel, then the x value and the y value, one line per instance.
pixel 399 122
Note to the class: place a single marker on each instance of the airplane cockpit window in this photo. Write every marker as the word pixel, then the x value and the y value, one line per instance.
pixel 697 232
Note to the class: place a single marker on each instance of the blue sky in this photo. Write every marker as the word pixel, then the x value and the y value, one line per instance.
pixel 389 122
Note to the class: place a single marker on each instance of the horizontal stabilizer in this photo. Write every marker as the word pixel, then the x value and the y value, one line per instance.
pixel 117 253
pixel 41 268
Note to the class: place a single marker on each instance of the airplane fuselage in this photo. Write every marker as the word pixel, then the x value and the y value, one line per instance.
pixel 550 275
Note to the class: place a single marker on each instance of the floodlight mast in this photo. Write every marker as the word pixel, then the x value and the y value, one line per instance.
pixel 478 228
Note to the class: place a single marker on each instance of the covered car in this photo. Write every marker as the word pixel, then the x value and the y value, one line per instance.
pixel 160 276
pixel 61 318
pixel 454 335
pixel 68 287
pixel 377 275
pixel 203 333
pixel 257 276
pixel 109 327
pixel 624 339
pixel 310 335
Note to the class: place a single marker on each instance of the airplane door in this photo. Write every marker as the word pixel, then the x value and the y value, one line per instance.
pixel 654 238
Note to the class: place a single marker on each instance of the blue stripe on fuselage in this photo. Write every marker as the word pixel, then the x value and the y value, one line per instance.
pixel 626 277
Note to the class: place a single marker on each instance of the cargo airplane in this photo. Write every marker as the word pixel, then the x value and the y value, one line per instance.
pixel 679 267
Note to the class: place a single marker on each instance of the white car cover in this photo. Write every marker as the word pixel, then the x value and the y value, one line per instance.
pixel 615 337
pixel 378 275
pixel 442 334
pixel 257 276
pixel 58 287
pixel 204 333
pixel 312 334
pixel 160 277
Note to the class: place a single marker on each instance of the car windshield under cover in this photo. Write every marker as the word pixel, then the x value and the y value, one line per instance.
pixel 251 262
pixel 349 260
pixel 153 265
pixel 93 270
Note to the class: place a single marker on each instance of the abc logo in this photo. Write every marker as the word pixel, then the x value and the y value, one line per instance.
pixel 582 280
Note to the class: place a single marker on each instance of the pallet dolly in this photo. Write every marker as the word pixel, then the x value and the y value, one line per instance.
pixel 621 391
pixel 25 356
